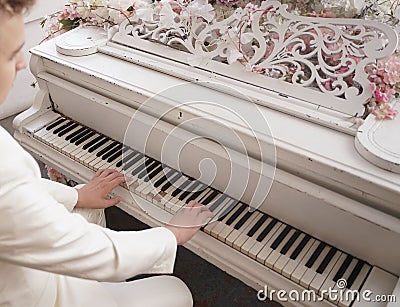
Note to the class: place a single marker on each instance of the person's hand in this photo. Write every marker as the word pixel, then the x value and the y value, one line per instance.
pixel 94 194
pixel 188 220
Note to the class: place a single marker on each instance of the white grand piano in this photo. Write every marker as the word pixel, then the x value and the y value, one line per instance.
pixel 303 198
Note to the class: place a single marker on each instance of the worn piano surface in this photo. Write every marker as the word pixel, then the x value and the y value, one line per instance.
pixel 323 212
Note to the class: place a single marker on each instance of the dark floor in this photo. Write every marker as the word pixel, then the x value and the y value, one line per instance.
pixel 210 286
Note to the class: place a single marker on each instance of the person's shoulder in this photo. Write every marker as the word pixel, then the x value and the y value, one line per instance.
pixel 9 146
pixel 14 160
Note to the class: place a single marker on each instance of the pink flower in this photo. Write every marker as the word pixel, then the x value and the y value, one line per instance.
pixel 389 70
pixel 379 96
pixel 384 111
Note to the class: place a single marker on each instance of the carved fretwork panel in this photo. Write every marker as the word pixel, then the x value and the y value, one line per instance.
pixel 326 59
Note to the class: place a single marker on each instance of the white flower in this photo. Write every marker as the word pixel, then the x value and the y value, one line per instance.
pixel 167 16
pixel 201 8
pixel 234 43
pixel 357 5
pixel 145 14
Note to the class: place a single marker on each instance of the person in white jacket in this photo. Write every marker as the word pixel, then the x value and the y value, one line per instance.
pixel 50 256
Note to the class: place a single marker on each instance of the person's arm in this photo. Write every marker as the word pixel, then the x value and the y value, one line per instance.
pixel 90 195
pixel 38 232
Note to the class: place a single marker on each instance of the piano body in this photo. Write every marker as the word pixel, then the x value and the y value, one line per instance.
pixel 320 211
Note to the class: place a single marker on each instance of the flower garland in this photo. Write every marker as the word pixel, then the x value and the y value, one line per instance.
pixel 384 76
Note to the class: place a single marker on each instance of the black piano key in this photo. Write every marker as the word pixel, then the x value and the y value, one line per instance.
pixel 68 129
pixel 196 194
pixel 300 247
pixel 171 181
pixel 290 242
pixel 243 220
pixel 189 191
pixel 354 273
pixel 112 151
pixel 127 158
pixel 156 171
pixel 84 138
pixel 56 123
pixel 106 149
pixel 71 135
pixel 133 161
pixel 98 144
pixel 236 214
pixel 92 142
pixel 218 202
pixel 117 155
pixel 139 168
pixel 210 197
pixel 79 135
pixel 148 168
pixel 281 236
pixel 61 128
pixel 315 254
pixel 183 185
pixel 266 230
pixel 164 178
pixel 326 260
pixel 257 225
pixel 232 204
pixel 343 268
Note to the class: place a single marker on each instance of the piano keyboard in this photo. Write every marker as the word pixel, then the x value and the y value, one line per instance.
pixel 305 260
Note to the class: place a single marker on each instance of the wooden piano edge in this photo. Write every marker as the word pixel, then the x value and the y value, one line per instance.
pixel 224 257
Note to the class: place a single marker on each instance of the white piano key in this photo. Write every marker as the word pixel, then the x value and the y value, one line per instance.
pixel 301 267
pixel 228 228
pixel 356 285
pixel 345 276
pixel 203 195
pixel 172 188
pixel 154 195
pixel 329 283
pixel 275 254
pixel 311 272
pixel 243 237
pixel 99 161
pixel 284 259
pixel 210 226
pixel 248 244
pixel 174 204
pixel 293 263
pixel 319 279
pixel 62 142
pixel 77 151
pixel 234 235
pixel 217 229
pixel 91 156
pixel 129 167
pixel 259 245
pixel 150 187
pixel 42 133
pixel 128 172
pixel 260 254
pixel 162 197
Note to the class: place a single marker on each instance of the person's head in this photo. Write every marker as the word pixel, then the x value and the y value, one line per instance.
pixel 11 41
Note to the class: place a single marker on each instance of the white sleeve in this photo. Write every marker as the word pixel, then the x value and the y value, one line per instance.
pixel 37 231
pixel 68 196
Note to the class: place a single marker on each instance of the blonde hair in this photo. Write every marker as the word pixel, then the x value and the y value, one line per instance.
pixel 15 6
